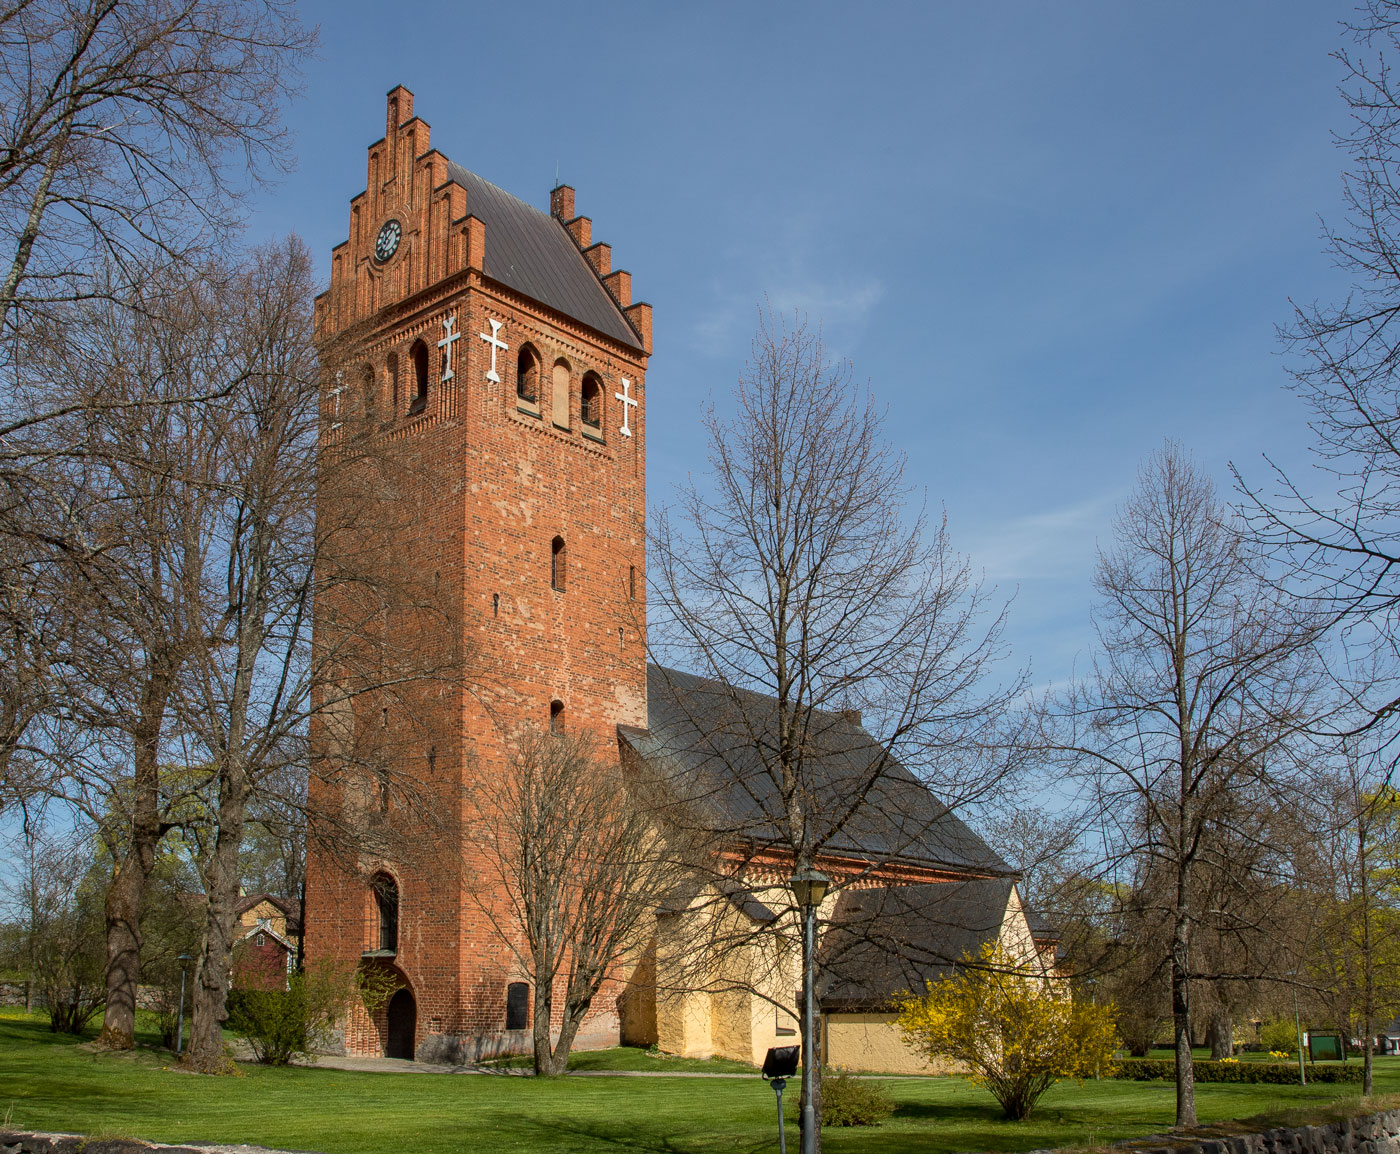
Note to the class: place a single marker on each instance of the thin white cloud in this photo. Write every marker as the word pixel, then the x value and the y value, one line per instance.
pixel 1051 544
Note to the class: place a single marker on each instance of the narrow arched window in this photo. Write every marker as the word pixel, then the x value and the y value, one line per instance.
pixel 386 900
pixel 559 401
pixel 395 395
pixel 527 379
pixel 558 559
pixel 367 391
pixel 418 354
pixel 632 582
pixel 556 716
pixel 517 1006
pixel 591 406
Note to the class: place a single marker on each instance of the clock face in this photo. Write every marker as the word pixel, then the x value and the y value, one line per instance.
pixel 387 243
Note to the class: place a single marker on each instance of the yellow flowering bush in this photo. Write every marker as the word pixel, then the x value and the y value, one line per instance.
pixel 1015 1029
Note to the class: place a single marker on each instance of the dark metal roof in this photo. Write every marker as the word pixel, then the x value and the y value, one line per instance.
pixel 710 742
pixel 1041 930
pixel 531 252
pixel 883 942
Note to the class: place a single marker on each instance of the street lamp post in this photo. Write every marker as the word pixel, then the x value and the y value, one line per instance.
pixel 184 960
pixel 809 887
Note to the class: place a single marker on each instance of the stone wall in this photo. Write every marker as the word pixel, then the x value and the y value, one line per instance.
pixel 43 1142
pixel 1369 1134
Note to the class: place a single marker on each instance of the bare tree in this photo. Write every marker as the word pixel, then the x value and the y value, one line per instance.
pixel 576 859
pixel 794 585
pixel 245 695
pixel 1204 679
pixel 130 128
pixel 128 518
pixel 55 898
pixel 1338 525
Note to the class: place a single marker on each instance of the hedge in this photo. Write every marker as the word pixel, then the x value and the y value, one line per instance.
pixel 1284 1073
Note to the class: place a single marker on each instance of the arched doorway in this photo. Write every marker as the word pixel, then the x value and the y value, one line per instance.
pixel 403 1020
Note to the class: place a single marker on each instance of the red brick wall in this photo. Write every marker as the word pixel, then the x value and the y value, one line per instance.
pixel 465 501
pixel 260 967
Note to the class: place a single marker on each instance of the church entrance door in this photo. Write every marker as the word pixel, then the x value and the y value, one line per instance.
pixel 403 1015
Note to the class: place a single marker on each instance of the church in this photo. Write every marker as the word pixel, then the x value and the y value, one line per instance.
pixel 485 366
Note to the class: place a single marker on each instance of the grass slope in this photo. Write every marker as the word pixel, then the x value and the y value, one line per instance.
pixel 46 1082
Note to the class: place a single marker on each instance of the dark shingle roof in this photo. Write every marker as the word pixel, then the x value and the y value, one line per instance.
pixel 882 942
pixel 701 738
pixel 529 251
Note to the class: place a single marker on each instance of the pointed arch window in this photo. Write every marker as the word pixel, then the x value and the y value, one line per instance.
pixel 386 901
pixel 591 406
pixel 527 380
pixel 418 356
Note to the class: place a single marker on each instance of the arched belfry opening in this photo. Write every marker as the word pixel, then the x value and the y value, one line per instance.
pixel 418 355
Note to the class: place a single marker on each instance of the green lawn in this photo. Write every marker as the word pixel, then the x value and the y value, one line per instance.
pixel 46 1082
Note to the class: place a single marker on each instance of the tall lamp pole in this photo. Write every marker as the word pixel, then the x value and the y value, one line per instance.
pixel 809 887
pixel 184 960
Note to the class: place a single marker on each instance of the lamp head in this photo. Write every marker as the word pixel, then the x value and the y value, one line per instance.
pixel 809 886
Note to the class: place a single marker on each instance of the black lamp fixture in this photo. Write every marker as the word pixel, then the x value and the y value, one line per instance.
pixel 809 886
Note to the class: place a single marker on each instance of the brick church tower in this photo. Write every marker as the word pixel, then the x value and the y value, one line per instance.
pixel 483 426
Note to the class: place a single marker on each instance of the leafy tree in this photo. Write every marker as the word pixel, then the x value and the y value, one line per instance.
pixel 1012 1026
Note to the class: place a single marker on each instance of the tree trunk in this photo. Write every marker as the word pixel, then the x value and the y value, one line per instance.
pixel 1222 1036
pixel 127 892
pixel 544 1006
pixel 215 971
pixel 1181 1025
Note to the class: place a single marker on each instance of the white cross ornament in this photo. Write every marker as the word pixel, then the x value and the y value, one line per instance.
pixel 449 339
pixel 335 398
pixel 628 402
pixel 496 343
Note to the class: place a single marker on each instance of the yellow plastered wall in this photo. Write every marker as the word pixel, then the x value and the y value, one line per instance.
pixel 875 1043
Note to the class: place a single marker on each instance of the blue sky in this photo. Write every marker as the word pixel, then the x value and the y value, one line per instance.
pixel 1050 235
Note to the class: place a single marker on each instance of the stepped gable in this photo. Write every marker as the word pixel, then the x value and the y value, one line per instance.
pixel 534 254
pixel 699 736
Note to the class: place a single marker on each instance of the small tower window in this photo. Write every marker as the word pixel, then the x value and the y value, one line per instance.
pixel 558 561
pixel 559 402
pixel 556 716
pixel 386 900
pixel 527 380
pixel 632 582
pixel 591 407
pixel 517 1006
pixel 395 396
pixel 418 354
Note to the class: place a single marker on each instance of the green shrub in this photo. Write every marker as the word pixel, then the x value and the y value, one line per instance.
pixel 848 1101
pixel 1278 1073
pixel 1281 1035
pixel 278 1024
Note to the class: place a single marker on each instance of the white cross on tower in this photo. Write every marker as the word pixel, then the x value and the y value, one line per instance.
pixel 628 402
pixel 335 399
pixel 496 343
pixel 449 339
